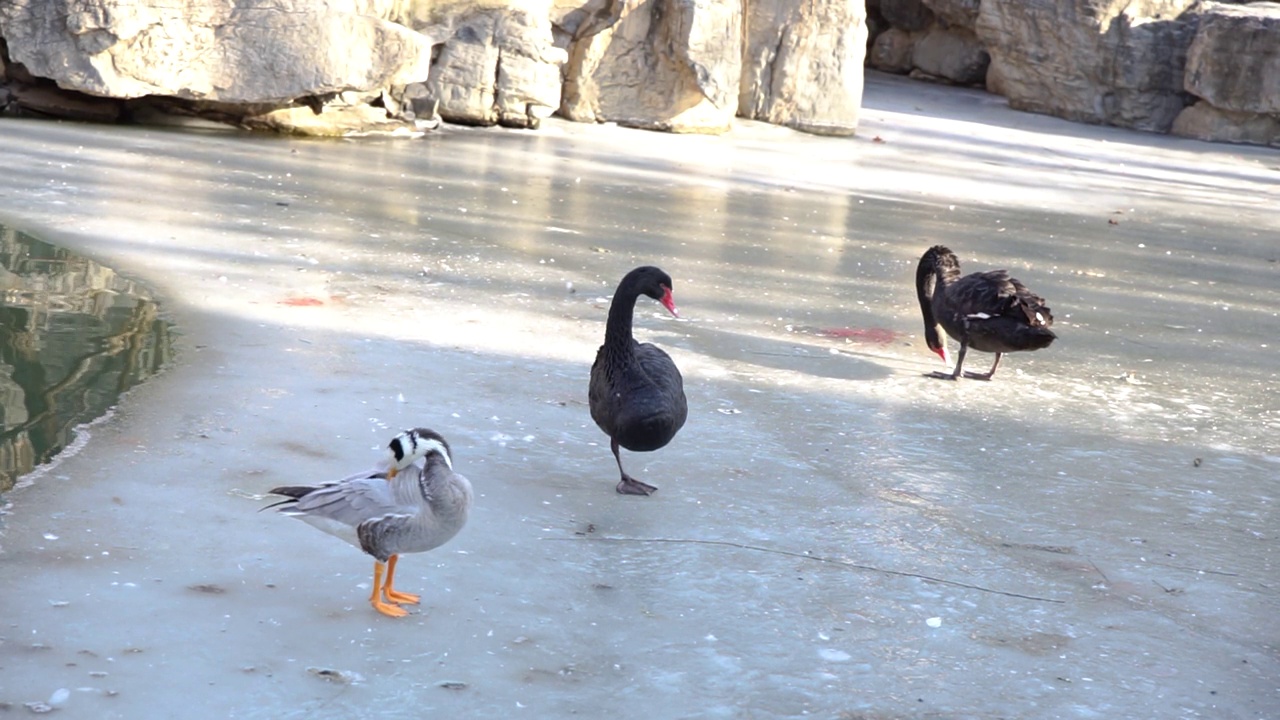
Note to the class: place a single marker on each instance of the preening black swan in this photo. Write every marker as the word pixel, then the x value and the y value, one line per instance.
pixel 636 393
pixel 987 311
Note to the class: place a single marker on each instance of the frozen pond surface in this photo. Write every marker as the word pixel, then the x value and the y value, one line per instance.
pixel 1103 512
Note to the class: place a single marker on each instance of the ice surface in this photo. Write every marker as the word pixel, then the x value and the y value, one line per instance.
pixel 1093 532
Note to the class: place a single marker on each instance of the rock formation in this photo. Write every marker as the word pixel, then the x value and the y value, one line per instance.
pixel 379 65
pixel 1118 62
pixel 1132 63
pixel 349 67
pixel 893 51
pixel 238 57
pixel 802 64
pixel 495 65
pixel 953 54
pixel 909 15
pixel 659 64
pixel 955 13
pixel 1233 67
pixel 929 39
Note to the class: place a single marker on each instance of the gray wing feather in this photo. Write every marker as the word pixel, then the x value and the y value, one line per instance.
pixel 379 536
pixel 350 502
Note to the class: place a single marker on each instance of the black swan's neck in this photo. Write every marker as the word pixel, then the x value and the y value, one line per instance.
pixel 926 285
pixel 617 333
pixel 937 269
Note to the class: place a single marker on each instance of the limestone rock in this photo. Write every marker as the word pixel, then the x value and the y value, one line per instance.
pixel 569 15
pixel 1234 60
pixel 803 64
pixel 346 120
pixel 909 15
pixel 892 51
pixel 496 64
pixel 955 13
pixel 1203 121
pixel 953 54
pixel 233 51
pixel 658 64
pixel 1118 62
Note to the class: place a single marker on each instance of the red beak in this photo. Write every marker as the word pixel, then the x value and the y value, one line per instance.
pixel 669 302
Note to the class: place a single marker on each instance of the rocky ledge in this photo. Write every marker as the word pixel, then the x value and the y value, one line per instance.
pixel 350 66
pixel 346 67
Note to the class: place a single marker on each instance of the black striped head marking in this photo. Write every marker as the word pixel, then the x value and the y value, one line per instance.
pixel 411 445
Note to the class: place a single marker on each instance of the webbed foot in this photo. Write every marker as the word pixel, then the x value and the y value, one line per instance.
pixel 631 486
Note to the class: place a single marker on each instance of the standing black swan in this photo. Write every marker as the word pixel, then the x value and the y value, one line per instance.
pixel 987 311
pixel 636 393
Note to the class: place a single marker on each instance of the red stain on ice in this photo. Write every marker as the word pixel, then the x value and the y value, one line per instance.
pixel 302 302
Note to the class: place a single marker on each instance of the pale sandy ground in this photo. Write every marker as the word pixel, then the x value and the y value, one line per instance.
pixel 443 267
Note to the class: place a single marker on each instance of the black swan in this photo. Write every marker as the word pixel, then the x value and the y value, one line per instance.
pixel 636 393
pixel 399 506
pixel 987 311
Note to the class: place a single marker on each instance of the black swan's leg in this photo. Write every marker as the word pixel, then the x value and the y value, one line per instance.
pixel 964 346
pixel 629 485
pixel 987 375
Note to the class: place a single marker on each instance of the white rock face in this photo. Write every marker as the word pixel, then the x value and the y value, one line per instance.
pixel 496 65
pixel 673 65
pixel 1234 66
pixel 658 64
pixel 1118 62
pixel 229 51
pixel 1234 60
pixel 803 64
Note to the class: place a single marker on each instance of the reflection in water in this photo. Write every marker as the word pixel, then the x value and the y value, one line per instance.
pixel 74 335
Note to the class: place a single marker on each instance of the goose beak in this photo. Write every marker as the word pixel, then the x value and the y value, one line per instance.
pixel 669 302
pixel 391 473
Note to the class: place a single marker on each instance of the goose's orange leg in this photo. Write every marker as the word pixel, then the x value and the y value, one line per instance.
pixel 375 599
pixel 394 595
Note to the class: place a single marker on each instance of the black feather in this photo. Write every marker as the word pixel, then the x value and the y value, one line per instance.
pixel 636 393
pixel 291 494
